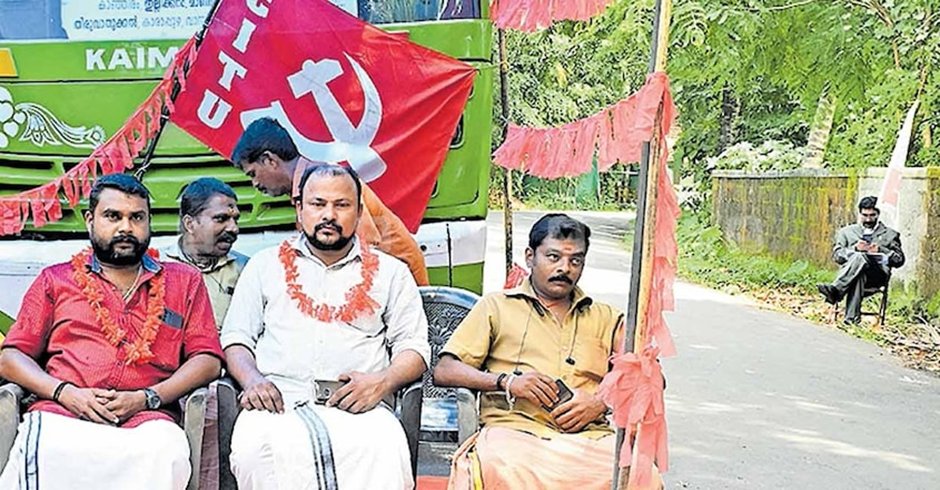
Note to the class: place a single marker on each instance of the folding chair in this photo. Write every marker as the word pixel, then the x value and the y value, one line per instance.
pixel 867 292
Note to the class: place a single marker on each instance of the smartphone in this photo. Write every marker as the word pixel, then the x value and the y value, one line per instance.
pixel 324 389
pixel 564 394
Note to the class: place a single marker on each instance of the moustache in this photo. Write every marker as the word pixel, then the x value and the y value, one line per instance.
pixel 124 239
pixel 227 237
pixel 564 279
pixel 329 224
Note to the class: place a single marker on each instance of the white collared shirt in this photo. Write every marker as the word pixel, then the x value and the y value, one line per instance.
pixel 292 349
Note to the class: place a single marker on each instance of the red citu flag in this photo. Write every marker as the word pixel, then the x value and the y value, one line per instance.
pixel 346 91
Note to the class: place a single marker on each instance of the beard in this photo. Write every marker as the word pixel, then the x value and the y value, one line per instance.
pixel 338 244
pixel 106 251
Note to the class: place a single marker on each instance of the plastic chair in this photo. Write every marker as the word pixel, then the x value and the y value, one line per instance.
pixel 407 407
pixel 13 400
pixel 445 308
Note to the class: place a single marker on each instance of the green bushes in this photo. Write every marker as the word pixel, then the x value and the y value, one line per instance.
pixel 910 329
pixel 706 257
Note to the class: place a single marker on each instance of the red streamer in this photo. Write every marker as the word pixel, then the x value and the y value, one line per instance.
pixel 665 252
pixel 615 134
pixel 516 276
pixel 532 15
pixel 42 204
pixel 633 389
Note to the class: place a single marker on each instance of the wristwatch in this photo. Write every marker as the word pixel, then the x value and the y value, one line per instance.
pixel 153 399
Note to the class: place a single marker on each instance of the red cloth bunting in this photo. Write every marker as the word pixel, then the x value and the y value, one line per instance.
pixel 665 254
pixel 633 389
pixel 532 15
pixel 11 216
pixel 517 275
pixel 42 203
pixel 72 191
pixel 85 179
pixel 136 130
pixel 615 134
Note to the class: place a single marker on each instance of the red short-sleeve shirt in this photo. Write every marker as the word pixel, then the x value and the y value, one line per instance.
pixel 57 327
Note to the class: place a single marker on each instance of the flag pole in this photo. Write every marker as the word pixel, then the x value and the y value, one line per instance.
pixel 641 264
pixel 174 92
pixel 507 173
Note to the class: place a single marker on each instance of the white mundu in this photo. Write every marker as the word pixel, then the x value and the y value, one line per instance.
pixel 312 446
pixel 53 451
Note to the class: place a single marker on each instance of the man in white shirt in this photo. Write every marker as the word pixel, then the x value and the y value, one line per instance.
pixel 322 307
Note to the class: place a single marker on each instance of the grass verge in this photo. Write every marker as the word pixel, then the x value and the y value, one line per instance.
pixel 911 327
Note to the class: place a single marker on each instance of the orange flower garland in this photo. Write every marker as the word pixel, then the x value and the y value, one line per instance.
pixel 137 351
pixel 358 300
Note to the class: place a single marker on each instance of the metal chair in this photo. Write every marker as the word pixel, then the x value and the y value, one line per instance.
pixel 407 407
pixel 13 399
pixel 445 308
pixel 867 292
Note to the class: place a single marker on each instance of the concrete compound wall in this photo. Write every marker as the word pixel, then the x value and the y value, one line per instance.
pixel 794 214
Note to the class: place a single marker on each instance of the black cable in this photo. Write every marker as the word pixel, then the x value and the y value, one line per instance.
pixel 525 334
pixel 570 360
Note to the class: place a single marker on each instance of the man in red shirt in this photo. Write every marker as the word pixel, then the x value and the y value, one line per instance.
pixel 108 342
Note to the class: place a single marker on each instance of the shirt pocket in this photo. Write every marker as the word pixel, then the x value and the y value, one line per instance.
pixel 167 347
pixel 591 357
pixel 370 325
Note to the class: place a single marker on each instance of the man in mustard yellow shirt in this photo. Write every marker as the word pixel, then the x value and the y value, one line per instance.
pixel 537 354
pixel 208 230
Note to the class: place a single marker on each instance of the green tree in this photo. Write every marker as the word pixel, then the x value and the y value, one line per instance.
pixel 747 71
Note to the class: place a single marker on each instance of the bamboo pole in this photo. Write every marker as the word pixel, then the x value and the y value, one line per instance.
pixel 507 173
pixel 174 92
pixel 641 267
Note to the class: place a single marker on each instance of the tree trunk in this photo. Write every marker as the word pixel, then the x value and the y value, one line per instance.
pixel 820 131
pixel 730 112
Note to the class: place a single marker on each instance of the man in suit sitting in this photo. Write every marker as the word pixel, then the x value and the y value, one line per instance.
pixel 866 251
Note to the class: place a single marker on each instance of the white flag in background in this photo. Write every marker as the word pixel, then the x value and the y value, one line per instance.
pixel 891 187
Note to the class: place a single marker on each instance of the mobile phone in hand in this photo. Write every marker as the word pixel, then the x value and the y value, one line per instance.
pixel 564 394
pixel 324 389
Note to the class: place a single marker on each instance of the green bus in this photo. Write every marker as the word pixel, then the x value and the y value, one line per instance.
pixel 71 72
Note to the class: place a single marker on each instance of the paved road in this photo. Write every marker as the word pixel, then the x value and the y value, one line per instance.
pixel 760 399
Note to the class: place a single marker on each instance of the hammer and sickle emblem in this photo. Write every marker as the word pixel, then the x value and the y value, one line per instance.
pixel 351 143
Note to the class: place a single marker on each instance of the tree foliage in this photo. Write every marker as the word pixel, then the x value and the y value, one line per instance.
pixel 747 71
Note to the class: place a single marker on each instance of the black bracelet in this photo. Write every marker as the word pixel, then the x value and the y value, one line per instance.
pixel 58 390
pixel 499 380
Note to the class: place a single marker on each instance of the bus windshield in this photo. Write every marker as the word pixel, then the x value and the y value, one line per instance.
pixel 117 20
